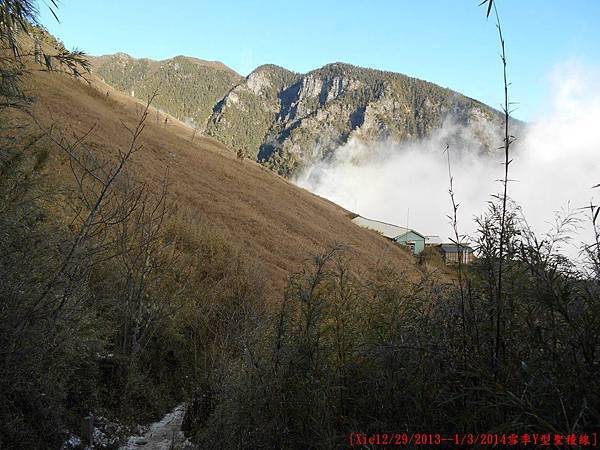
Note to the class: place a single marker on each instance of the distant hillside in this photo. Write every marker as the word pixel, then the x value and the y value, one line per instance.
pixel 188 88
pixel 287 120
pixel 243 119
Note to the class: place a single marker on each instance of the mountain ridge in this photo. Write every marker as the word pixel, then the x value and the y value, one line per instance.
pixel 187 87
pixel 199 61
pixel 288 120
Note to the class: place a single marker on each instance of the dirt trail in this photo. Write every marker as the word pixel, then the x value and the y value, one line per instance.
pixel 163 435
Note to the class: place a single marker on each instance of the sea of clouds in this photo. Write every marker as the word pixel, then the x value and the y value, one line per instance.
pixel 556 161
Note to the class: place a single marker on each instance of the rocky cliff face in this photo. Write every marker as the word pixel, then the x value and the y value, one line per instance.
pixel 244 117
pixel 287 120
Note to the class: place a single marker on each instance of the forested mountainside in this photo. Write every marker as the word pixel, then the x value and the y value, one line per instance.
pixel 287 120
pixel 187 88
pixel 287 125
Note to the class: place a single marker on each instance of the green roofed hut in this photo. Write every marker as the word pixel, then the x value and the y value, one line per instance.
pixel 403 236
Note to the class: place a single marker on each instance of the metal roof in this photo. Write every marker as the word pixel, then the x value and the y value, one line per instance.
pixel 433 240
pixel 387 229
pixel 453 248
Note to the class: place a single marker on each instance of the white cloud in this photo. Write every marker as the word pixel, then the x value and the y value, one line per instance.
pixel 556 161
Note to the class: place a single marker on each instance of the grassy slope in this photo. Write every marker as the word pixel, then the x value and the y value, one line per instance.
pixel 277 223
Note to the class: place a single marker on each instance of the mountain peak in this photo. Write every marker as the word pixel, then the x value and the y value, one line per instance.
pixel 188 87
pixel 285 119
pixel 288 120
pixel 271 69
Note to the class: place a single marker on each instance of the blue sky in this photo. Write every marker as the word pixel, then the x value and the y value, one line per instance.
pixel 447 42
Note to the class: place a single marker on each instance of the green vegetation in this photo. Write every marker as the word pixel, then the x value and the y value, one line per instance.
pixel 18 23
pixel 286 120
pixel 243 118
pixel 187 88
pixel 287 125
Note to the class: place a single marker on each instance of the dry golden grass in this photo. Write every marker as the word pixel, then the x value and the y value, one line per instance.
pixel 277 224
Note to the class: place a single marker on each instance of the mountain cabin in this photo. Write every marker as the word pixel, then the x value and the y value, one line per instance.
pixel 401 235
